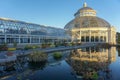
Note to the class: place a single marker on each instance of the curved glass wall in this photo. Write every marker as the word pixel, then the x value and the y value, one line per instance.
pixel 23 32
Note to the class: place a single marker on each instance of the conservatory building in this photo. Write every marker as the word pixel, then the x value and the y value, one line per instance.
pixel 28 33
pixel 86 27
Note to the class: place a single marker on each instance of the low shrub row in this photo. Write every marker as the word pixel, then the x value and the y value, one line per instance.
pixel 31 47
pixel 11 49
pixel 3 48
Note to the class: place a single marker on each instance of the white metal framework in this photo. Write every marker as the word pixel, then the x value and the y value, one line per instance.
pixel 23 33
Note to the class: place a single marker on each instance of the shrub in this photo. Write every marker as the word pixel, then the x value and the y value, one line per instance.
pixel 46 45
pixel 3 47
pixel 57 55
pixel 27 47
pixel 52 45
pixel 31 47
pixel 15 44
pixel 43 45
pixel 11 49
pixel 35 46
pixel 69 44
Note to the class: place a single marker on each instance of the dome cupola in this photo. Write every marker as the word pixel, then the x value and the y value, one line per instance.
pixel 85 11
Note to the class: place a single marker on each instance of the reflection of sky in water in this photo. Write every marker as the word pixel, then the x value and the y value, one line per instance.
pixel 61 71
pixel 115 68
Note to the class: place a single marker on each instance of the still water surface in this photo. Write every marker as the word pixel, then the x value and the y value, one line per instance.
pixel 81 64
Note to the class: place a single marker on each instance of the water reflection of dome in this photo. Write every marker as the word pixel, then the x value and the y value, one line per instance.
pixel 88 60
pixel 95 54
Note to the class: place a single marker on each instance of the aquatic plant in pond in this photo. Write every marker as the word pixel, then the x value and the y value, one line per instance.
pixel 57 55
pixel 95 76
pixel 37 56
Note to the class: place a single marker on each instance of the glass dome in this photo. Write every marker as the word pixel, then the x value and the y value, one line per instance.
pixel 87 21
pixel 86 17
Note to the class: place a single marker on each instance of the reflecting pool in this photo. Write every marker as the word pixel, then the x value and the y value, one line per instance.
pixel 92 63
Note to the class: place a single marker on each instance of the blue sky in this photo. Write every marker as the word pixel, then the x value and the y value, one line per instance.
pixel 58 13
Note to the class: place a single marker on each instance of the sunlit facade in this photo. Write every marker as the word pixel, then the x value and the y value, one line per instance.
pixel 87 27
pixel 28 33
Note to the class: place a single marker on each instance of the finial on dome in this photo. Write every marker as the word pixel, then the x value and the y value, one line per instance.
pixel 85 4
